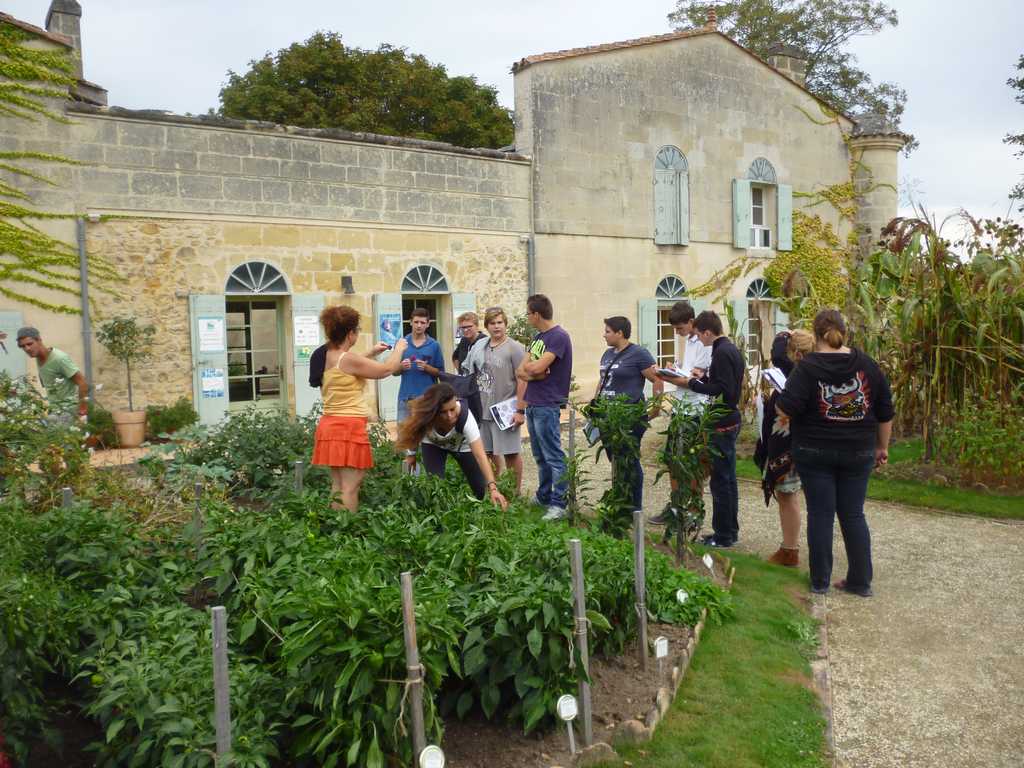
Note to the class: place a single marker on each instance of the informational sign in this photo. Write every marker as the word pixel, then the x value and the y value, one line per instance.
pixel 212 382
pixel 431 757
pixel 682 596
pixel 307 331
pixel 211 334
pixel 660 647
pixel 709 562
pixel 390 330
pixel 567 708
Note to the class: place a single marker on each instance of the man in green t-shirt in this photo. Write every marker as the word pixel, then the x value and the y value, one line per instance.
pixel 66 387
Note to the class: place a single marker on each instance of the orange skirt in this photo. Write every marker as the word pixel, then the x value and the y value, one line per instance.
pixel 342 441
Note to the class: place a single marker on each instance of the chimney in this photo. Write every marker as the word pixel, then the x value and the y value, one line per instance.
pixel 65 18
pixel 712 23
pixel 790 61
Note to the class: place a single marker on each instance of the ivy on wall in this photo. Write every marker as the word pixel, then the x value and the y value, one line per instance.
pixel 29 79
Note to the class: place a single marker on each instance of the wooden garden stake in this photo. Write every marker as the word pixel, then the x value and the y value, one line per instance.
pixel 414 680
pixel 221 688
pixel 580 603
pixel 197 517
pixel 572 431
pixel 299 468
pixel 68 497
pixel 640 584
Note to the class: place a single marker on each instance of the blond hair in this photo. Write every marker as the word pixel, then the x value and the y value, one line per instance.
pixel 801 342
pixel 471 316
pixel 493 314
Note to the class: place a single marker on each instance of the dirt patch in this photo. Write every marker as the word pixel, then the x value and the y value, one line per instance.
pixel 620 691
pixel 76 733
pixel 692 562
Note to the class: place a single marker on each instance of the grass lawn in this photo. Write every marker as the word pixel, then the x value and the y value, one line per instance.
pixel 965 501
pixel 746 699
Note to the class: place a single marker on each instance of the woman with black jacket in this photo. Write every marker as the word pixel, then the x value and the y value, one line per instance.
pixel 841 413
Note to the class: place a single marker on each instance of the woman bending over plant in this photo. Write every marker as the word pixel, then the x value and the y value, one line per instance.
pixel 441 425
pixel 342 442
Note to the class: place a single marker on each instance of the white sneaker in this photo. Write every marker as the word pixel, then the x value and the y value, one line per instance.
pixel 555 513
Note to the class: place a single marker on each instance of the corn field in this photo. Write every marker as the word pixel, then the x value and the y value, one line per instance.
pixel 945 320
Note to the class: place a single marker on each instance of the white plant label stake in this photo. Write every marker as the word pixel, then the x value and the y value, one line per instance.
pixel 660 652
pixel 431 757
pixel 567 711
pixel 681 596
pixel 709 562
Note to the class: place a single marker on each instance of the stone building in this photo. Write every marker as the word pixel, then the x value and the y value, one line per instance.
pixel 639 168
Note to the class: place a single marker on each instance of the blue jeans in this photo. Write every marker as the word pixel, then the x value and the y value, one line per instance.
pixel 725 492
pixel 638 470
pixel 835 483
pixel 546 444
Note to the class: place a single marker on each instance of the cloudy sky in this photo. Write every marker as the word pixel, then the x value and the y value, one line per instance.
pixel 953 58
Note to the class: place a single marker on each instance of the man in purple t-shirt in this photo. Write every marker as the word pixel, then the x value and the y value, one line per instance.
pixel 547 368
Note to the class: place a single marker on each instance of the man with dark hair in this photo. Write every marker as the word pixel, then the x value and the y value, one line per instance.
pixel 724 379
pixel 66 388
pixel 547 368
pixel 421 361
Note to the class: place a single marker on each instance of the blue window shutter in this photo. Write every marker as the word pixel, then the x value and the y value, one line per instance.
pixel 780 320
pixel 209 367
pixel 387 308
pixel 13 360
pixel 666 207
pixel 304 307
pixel 683 188
pixel 739 328
pixel 785 207
pixel 741 213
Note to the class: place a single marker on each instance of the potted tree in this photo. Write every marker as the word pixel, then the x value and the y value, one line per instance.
pixel 129 342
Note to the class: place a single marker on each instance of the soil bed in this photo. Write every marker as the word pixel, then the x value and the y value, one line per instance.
pixel 620 691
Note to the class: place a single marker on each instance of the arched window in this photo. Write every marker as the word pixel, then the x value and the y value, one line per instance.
pixel 670 288
pixel 671 197
pixel 758 289
pixel 256 277
pixel 763 171
pixel 424 279
pixel 760 307
pixel 762 209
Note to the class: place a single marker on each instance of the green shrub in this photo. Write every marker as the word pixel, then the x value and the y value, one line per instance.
pixel 985 444
pixel 167 419
pixel 101 429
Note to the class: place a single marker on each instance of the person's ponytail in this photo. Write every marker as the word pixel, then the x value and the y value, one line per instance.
pixel 830 327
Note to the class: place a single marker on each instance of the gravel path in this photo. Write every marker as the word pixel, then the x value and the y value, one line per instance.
pixel 930 671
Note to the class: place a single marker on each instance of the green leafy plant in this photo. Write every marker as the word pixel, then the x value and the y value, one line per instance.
pixel 167 419
pixel 686 459
pixel 102 433
pixel 129 342
pixel 617 419
pixel 985 443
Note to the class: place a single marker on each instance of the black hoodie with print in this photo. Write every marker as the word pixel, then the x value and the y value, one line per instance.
pixel 836 399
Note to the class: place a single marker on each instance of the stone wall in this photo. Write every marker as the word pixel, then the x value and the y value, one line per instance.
pixel 144 161
pixel 164 260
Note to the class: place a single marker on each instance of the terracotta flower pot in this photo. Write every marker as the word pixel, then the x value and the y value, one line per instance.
pixel 131 428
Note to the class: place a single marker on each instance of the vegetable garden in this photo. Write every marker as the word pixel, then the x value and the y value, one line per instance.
pixel 103 602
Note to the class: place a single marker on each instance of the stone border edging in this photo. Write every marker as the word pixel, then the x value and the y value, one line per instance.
pixel 636 732
pixel 822 678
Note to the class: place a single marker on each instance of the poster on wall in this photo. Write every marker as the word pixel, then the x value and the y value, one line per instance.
pixel 211 334
pixel 212 381
pixel 307 336
pixel 390 329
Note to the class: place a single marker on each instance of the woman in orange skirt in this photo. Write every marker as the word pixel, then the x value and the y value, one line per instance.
pixel 342 442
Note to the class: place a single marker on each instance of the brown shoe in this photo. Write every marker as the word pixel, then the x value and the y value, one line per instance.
pixel 787 557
